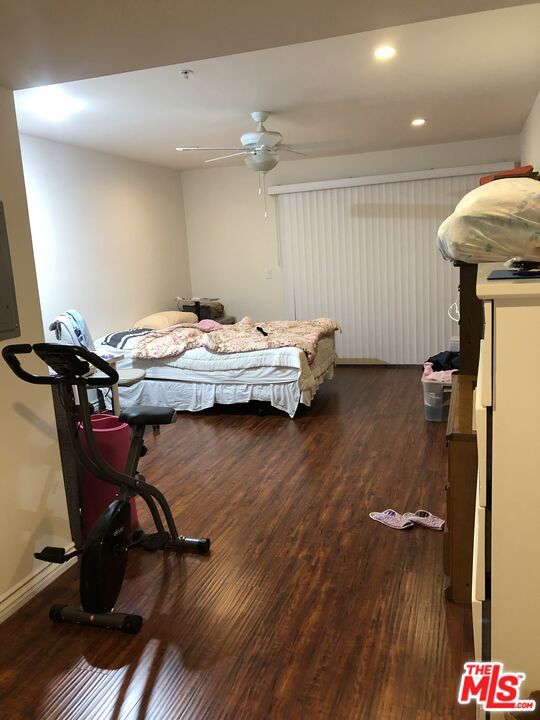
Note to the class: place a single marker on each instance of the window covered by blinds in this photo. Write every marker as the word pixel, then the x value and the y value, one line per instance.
pixel 368 257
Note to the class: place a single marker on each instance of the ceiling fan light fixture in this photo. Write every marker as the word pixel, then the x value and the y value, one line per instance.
pixel 262 160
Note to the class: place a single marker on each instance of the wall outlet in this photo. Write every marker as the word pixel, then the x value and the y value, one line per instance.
pixel 268 274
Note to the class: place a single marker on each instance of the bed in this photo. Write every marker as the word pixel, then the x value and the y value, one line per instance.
pixel 198 378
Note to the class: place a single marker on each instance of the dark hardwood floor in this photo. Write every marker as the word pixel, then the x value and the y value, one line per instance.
pixel 305 608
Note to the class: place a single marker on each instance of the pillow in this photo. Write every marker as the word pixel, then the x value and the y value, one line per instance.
pixel 161 320
pixel 125 339
pixel 208 325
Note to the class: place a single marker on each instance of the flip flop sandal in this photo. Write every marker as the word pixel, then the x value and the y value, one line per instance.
pixel 426 519
pixel 392 519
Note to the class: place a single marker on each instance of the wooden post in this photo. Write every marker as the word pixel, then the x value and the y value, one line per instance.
pixel 471 320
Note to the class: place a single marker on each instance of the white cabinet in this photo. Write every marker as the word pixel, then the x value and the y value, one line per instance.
pixel 506 580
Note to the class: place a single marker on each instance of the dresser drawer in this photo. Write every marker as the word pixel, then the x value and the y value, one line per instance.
pixel 478 577
pixel 486 357
pixel 479 558
pixel 480 414
pixel 477 628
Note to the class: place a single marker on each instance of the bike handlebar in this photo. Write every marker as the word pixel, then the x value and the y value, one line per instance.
pixel 10 352
pixel 70 362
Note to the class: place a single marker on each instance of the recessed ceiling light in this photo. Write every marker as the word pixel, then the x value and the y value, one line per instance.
pixel 418 122
pixel 51 103
pixel 385 52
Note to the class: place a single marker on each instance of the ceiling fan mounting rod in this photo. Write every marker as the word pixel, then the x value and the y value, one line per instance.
pixel 260 115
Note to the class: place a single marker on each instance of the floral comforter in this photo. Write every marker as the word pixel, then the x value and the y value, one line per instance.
pixel 244 336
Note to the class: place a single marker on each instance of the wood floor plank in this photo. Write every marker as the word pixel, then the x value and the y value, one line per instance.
pixel 304 609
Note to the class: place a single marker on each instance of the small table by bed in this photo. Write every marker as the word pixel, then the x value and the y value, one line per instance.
pixel 126 378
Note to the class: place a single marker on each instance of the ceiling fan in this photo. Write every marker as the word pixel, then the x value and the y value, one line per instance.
pixel 261 147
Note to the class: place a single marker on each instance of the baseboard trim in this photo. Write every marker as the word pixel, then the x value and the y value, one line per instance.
pixel 375 363
pixel 28 588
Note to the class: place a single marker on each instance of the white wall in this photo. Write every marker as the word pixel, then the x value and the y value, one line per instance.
pixel 231 245
pixel 31 486
pixel 530 137
pixel 108 233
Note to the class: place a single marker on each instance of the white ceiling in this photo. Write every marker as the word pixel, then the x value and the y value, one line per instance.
pixel 470 76
pixel 50 42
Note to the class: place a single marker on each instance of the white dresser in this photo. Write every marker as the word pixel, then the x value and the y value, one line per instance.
pixel 506 563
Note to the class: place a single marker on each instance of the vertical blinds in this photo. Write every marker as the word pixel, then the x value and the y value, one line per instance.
pixel 368 257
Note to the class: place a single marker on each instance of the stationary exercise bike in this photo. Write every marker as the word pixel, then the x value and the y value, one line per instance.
pixel 103 554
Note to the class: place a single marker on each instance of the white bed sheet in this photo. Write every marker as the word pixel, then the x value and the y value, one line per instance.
pixel 203 360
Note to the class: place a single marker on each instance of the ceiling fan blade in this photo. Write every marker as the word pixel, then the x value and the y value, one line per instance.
pixel 224 157
pixel 186 149
pixel 289 149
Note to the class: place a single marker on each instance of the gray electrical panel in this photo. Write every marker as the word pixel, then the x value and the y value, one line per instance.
pixel 9 318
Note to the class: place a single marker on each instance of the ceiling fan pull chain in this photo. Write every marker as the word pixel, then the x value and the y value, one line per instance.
pixel 265 197
pixel 261 177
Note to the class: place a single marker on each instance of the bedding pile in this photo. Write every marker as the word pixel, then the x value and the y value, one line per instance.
pixel 494 223
pixel 244 336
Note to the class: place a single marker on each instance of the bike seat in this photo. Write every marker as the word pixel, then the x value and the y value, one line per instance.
pixel 148 415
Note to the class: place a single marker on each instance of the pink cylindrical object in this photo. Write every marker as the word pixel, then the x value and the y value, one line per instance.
pixel 113 440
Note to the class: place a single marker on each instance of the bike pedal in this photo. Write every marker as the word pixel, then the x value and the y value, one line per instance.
pixel 51 554
pixel 155 541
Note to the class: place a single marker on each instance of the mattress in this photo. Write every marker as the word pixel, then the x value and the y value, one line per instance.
pixel 261 366
pixel 198 379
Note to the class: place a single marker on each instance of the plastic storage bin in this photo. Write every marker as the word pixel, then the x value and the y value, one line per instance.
pixel 436 400
pixel 113 440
